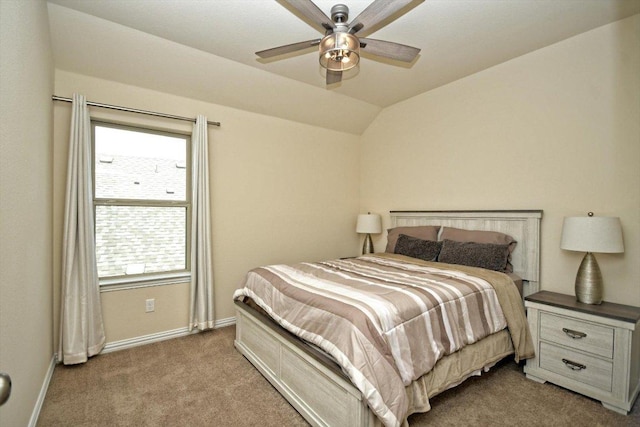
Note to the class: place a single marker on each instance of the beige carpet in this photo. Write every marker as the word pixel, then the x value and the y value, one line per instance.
pixel 201 380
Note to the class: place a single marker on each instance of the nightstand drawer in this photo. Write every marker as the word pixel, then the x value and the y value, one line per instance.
pixel 576 366
pixel 577 334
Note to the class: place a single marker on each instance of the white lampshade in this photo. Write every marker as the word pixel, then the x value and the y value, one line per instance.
pixel 600 234
pixel 369 223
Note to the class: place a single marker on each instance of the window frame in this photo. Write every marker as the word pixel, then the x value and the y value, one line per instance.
pixel 126 281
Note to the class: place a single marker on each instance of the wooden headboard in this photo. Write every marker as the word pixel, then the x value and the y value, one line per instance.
pixel 522 225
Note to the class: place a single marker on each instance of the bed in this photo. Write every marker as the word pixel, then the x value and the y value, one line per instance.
pixel 331 383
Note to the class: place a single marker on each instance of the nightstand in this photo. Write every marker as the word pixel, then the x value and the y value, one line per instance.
pixel 590 349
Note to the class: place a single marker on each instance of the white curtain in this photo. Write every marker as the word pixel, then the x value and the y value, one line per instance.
pixel 81 328
pixel 202 316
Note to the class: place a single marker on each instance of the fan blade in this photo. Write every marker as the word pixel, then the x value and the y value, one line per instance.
pixel 334 77
pixel 377 12
pixel 281 50
pixel 312 12
pixel 397 51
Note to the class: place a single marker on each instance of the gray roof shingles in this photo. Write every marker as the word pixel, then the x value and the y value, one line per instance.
pixel 148 235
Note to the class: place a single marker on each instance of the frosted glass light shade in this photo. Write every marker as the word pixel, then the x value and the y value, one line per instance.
pixel 600 234
pixel 369 223
pixel 339 51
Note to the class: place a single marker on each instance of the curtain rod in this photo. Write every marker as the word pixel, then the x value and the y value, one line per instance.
pixel 133 110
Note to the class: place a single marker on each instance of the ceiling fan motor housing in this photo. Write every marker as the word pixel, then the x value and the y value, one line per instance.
pixel 340 13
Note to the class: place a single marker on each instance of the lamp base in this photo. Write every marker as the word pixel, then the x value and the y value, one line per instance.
pixel 589 281
pixel 367 247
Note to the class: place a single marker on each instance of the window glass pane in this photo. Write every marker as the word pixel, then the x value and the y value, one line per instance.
pixel 139 165
pixel 140 239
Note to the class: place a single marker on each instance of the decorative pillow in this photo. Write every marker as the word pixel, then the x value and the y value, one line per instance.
pixel 485 255
pixel 481 236
pixel 427 250
pixel 424 232
pixel 478 236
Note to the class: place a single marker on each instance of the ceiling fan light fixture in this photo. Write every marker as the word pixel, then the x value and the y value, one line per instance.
pixel 339 51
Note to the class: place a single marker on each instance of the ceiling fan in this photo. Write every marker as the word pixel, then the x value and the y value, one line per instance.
pixel 340 47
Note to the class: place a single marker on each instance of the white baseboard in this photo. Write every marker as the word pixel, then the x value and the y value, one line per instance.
pixel 146 339
pixel 43 392
pixel 225 322
pixel 160 336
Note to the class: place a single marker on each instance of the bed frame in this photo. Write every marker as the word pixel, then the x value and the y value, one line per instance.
pixel 312 383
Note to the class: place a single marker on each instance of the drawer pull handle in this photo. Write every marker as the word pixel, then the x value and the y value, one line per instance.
pixel 573 365
pixel 574 334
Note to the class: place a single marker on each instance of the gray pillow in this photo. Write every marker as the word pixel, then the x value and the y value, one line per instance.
pixel 427 250
pixel 481 236
pixel 491 256
pixel 424 232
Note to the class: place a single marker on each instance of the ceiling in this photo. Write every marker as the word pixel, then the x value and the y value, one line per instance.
pixel 206 49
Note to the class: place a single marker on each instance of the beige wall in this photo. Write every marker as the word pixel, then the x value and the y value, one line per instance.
pixel 281 192
pixel 125 318
pixel 26 82
pixel 557 129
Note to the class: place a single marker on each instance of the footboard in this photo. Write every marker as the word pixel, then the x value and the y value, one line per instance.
pixel 311 383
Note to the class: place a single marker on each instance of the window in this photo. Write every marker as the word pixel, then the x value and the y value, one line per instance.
pixel 142 202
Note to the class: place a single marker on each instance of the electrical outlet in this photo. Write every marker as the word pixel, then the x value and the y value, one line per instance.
pixel 150 305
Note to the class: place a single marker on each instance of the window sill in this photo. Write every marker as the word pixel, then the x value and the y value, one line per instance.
pixel 124 283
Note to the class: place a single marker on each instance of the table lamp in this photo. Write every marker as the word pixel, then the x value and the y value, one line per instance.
pixel 367 224
pixel 591 234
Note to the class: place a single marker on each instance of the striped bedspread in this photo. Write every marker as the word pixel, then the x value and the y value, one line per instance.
pixel 386 322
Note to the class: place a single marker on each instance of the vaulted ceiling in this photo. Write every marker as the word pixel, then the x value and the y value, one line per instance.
pixel 205 49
